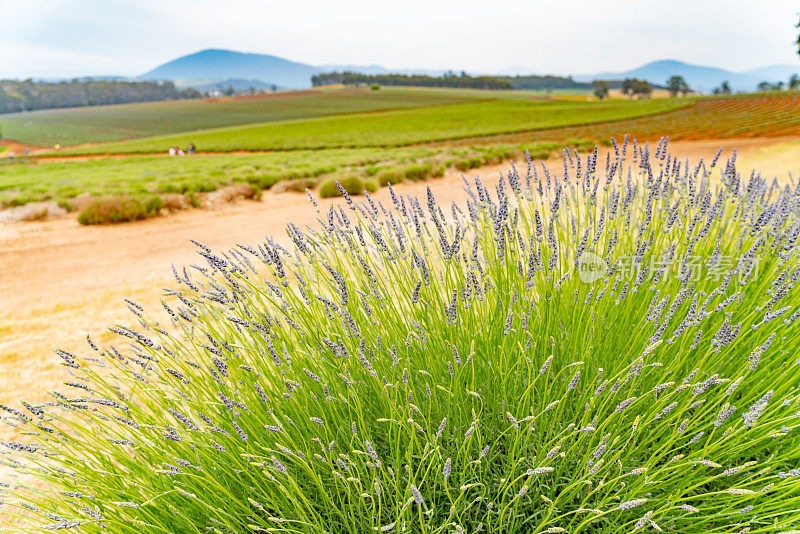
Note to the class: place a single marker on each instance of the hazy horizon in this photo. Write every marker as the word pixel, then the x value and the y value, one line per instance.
pixel 67 38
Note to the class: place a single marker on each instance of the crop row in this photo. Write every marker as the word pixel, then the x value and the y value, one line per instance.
pixel 771 116
pixel 399 128
pixel 114 123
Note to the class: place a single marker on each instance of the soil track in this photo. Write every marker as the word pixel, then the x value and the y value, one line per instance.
pixel 60 281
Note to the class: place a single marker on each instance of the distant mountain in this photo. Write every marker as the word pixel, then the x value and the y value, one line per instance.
pixel 699 77
pixel 215 64
pixel 774 73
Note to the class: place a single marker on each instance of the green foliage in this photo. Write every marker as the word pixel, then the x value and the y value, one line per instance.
pixel 600 89
pixel 546 83
pixel 119 209
pixel 28 95
pixel 586 354
pixel 463 81
pixel 467 163
pixel 677 85
pixel 390 175
pixel 352 183
pixel 416 172
pixel 61 181
pixel 635 87
pixel 723 89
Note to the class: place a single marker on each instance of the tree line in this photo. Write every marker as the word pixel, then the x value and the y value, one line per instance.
pixel 28 95
pixel 449 79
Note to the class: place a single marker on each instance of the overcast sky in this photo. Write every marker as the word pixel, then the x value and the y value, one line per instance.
pixel 129 37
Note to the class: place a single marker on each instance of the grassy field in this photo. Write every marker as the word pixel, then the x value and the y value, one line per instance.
pixel 398 128
pixel 29 181
pixel 466 129
pixel 112 123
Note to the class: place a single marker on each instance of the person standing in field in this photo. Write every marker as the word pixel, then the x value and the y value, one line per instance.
pixel 191 149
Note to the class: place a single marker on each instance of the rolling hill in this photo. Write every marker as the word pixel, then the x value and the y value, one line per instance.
pixel 212 65
pixel 699 77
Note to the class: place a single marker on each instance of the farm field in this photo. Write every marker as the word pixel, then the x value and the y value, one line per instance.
pixel 64 180
pixel 399 128
pixel 707 118
pixel 305 153
pixel 94 124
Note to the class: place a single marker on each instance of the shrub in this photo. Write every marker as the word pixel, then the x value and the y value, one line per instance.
pixel 119 209
pixel 553 358
pixel 263 180
pixel 418 171
pixel 66 205
pixel 468 162
pixel 351 183
pixel 390 175
pixel 193 200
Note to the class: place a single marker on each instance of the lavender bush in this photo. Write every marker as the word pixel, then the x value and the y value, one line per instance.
pixel 607 348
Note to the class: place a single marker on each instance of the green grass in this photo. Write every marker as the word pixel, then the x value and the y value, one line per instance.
pixel 437 370
pixel 30 180
pixel 112 123
pixel 398 128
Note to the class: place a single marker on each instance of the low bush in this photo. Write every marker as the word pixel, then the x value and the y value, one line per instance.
pixel 468 162
pixel 119 209
pixel 601 352
pixel 263 180
pixel 390 175
pixel 418 171
pixel 351 183
pixel 66 205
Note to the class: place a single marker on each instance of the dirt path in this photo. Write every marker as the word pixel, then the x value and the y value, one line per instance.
pixel 60 281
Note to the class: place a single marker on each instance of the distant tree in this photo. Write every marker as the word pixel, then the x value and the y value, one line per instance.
pixel 794 82
pixel 798 39
pixel 764 86
pixel 778 86
pixel 724 88
pixel 642 88
pixel 448 79
pixel 677 84
pixel 28 95
pixel 627 86
pixel 600 89
pixel 273 87
pixel 230 91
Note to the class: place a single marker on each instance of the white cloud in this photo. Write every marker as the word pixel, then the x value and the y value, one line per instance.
pixel 79 37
